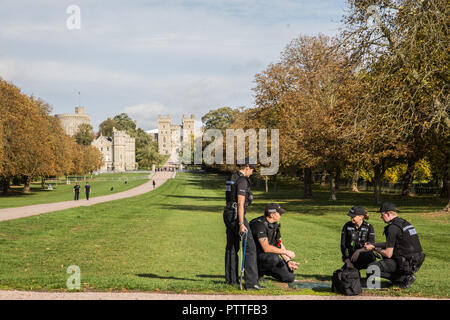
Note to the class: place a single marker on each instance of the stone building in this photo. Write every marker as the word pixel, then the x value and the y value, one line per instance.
pixel 70 122
pixel 170 137
pixel 119 152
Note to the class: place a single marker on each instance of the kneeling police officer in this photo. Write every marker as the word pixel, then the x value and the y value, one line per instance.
pixel 355 234
pixel 269 246
pixel 238 198
pixel 402 251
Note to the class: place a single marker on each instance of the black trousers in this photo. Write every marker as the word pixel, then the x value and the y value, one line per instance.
pixel 389 270
pixel 364 259
pixel 231 253
pixel 87 195
pixel 272 265
pixel 77 195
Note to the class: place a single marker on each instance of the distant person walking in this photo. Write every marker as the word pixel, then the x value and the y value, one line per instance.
pixel 154 184
pixel 76 190
pixel 87 190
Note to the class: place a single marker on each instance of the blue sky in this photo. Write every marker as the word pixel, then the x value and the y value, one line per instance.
pixel 147 58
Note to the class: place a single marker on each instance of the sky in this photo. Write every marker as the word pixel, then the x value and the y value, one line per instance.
pixel 150 58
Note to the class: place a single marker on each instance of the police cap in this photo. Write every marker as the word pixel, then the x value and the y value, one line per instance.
pixel 388 206
pixel 357 211
pixel 272 208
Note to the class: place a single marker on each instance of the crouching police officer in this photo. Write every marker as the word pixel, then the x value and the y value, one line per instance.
pixel 402 251
pixel 269 246
pixel 355 234
pixel 238 198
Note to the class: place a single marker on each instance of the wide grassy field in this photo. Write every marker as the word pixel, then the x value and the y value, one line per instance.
pixel 100 185
pixel 172 239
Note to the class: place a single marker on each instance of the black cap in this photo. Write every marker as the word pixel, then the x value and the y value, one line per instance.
pixel 388 206
pixel 357 211
pixel 273 207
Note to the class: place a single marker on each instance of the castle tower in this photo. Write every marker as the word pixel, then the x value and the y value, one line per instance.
pixel 118 150
pixel 70 122
pixel 188 128
pixel 164 135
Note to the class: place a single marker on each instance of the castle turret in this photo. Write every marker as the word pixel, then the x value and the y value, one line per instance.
pixel 71 122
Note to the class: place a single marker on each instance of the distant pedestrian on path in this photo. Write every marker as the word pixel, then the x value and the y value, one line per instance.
pixel 87 190
pixel 154 184
pixel 76 190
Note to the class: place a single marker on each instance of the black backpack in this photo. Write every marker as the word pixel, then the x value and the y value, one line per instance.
pixel 346 281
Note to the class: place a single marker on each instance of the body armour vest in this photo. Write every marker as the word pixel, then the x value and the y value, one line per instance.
pixel 408 243
pixel 273 230
pixel 231 189
pixel 358 236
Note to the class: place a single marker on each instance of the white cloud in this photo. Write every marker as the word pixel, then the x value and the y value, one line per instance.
pixel 146 58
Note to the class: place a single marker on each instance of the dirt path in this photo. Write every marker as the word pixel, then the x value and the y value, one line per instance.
pixel 29 295
pixel 21 212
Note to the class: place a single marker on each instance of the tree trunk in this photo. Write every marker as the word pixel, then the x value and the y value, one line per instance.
pixel 43 183
pixel 5 185
pixel 378 176
pixel 333 186
pixel 275 183
pixel 355 179
pixel 446 181
pixel 337 178
pixel 266 178
pixel 26 186
pixel 408 178
pixel 447 207
pixel 323 180
pixel 307 193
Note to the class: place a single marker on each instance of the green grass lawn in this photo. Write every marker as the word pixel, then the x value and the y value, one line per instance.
pixel 100 185
pixel 172 239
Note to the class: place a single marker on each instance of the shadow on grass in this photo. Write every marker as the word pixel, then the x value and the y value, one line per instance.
pixel 155 276
pixel 317 277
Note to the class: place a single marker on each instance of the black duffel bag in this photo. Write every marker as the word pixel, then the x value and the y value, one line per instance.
pixel 346 281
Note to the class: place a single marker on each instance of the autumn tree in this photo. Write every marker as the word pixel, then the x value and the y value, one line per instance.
pixel 402 45
pixel 27 149
pixel 306 95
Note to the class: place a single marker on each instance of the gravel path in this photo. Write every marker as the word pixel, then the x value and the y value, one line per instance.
pixel 29 295
pixel 21 212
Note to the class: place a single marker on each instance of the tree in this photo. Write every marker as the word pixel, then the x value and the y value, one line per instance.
pixel 220 119
pixel 407 50
pixel 125 123
pixel 106 127
pixel 85 134
pixel 25 130
pixel 307 95
pixel 148 155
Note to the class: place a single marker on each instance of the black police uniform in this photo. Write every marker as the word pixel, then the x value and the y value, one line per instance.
pixel 77 191
pixel 353 238
pixel 87 189
pixel 407 257
pixel 270 264
pixel 238 184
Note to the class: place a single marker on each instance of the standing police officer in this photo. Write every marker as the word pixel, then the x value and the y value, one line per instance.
pixel 355 234
pixel 403 254
pixel 269 246
pixel 238 198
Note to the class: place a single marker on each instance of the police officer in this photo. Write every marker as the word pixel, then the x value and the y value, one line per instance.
pixel 87 190
pixel 76 190
pixel 238 198
pixel 402 252
pixel 355 234
pixel 269 246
